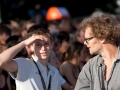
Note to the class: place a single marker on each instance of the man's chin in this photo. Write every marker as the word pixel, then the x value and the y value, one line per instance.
pixel 93 53
pixel 44 58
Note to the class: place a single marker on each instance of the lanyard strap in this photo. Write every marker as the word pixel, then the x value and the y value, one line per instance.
pixel 42 79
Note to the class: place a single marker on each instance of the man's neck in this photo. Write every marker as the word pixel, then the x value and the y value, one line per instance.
pixel 110 53
pixel 43 62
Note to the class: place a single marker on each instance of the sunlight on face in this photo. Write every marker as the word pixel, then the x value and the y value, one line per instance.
pixel 42 48
pixel 93 44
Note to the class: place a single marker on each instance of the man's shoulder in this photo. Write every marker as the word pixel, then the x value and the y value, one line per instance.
pixel 52 68
pixel 24 61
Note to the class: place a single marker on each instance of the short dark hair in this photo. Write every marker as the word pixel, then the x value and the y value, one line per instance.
pixel 37 30
pixel 63 36
pixel 5 29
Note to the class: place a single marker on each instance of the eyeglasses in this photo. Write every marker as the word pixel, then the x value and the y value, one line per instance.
pixel 88 39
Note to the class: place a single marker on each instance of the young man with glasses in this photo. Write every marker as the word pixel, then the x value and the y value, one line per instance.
pixel 102 37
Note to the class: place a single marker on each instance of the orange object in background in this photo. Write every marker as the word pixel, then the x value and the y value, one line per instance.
pixel 53 14
pixel 56 13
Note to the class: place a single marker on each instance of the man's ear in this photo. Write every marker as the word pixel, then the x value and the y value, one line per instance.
pixel 103 41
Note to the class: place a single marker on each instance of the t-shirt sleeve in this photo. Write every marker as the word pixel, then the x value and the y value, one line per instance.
pixel 24 69
pixel 62 80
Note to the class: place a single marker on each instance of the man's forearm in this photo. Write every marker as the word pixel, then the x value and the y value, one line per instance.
pixel 10 53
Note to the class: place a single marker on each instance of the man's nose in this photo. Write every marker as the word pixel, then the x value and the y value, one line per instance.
pixel 43 47
pixel 85 42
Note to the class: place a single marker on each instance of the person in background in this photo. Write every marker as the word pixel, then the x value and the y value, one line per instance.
pixel 53 27
pixel 71 65
pixel 85 54
pixel 5 83
pixel 24 26
pixel 102 37
pixel 77 21
pixel 5 33
pixel 13 26
pixel 63 39
pixel 53 60
pixel 64 25
pixel 79 35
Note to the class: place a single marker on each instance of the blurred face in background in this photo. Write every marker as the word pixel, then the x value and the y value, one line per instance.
pixel 27 26
pixel 63 47
pixel 80 37
pixel 64 25
pixel 53 28
pixel 53 60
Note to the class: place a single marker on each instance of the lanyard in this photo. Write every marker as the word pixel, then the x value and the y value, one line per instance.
pixel 42 79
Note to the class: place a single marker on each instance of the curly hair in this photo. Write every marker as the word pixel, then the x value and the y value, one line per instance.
pixel 105 26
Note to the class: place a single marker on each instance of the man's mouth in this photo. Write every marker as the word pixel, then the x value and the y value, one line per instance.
pixel 44 53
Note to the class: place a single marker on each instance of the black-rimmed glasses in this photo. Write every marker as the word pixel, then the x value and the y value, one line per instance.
pixel 88 39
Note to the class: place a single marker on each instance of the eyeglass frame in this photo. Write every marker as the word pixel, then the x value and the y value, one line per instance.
pixel 88 39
